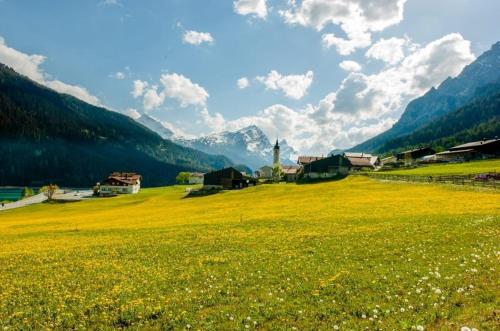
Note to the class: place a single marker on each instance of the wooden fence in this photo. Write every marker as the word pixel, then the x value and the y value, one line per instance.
pixel 470 180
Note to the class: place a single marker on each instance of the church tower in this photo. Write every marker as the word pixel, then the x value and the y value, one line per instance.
pixel 276 159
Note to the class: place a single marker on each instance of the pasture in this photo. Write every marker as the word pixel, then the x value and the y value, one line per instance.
pixel 467 168
pixel 351 254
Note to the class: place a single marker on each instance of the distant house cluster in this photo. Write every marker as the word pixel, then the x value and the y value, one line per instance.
pixel 481 149
pixel 307 167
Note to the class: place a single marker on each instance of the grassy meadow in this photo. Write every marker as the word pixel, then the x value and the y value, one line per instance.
pixel 467 168
pixel 349 255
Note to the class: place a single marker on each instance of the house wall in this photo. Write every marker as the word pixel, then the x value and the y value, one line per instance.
pixel 115 189
pixel 332 173
pixel 195 180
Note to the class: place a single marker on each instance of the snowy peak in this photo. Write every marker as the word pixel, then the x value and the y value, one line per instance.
pixel 249 146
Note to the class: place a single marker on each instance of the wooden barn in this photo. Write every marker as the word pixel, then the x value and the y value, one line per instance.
pixel 411 156
pixel 227 178
pixel 332 166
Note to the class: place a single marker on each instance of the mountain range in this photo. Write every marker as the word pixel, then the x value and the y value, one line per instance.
pixel 51 137
pixel 248 146
pixel 440 107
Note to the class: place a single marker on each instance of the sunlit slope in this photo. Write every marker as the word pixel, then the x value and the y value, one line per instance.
pixel 355 251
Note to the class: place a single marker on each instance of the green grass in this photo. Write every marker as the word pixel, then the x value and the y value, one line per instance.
pixel 473 167
pixel 355 253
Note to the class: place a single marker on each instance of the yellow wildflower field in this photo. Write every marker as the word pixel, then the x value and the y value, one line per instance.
pixel 351 254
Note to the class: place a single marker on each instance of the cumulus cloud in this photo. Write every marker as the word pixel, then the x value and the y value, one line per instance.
pixel 363 105
pixel 350 66
pixel 133 113
pixel 174 86
pixel 293 86
pixel 346 46
pixel 139 87
pixel 357 18
pixel 390 50
pixel 256 8
pixel 197 38
pixel 183 90
pixel 29 65
pixel 242 83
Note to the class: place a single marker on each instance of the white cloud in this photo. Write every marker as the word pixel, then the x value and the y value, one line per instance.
pixel 346 46
pixel 350 66
pixel 363 105
pixel 293 86
pixel 390 50
pixel 243 83
pixel 256 8
pixel 133 113
pixel 357 18
pixel 139 87
pixel 183 90
pixel 153 99
pixel 197 38
pixel 29 65
pixel 118 75
pixel 174 86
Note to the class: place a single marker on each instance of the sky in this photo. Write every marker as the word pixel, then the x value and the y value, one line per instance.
pixel 322 74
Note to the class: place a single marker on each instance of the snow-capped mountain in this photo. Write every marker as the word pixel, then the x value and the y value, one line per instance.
pixel 248 146
pixel 156 126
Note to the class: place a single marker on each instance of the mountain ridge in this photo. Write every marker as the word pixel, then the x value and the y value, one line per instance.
pixel 450 95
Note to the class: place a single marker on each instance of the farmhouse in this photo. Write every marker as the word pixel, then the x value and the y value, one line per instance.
pixel 195 178
pixel 121 183
pixel 227 178
pixel 290 172
pixel 332 166
pixel 411 156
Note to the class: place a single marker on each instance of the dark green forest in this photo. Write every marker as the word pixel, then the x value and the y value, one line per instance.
pixel 50 137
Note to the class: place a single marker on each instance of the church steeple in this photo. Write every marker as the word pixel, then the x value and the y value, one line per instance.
pixel 276 159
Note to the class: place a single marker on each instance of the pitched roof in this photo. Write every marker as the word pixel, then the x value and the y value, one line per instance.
pixel 475 144
pixel 290 169
pixel 309 159
pixel 360 161
pixel 352 154
pixel 128 178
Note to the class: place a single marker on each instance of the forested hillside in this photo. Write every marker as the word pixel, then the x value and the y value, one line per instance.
pixel 478 120
pixel 46 136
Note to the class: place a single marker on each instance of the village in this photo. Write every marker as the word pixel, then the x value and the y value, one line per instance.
pixel 309 169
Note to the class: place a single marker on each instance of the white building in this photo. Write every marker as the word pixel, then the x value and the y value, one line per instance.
pixel 121 183
pixel 195 178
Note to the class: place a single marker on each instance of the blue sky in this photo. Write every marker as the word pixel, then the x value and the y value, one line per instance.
pixel 290 52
